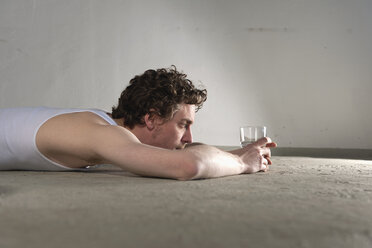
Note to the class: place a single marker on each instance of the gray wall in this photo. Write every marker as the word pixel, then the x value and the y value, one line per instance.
pixel 303 68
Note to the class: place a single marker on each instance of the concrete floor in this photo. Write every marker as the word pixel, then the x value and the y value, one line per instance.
pixel 300 202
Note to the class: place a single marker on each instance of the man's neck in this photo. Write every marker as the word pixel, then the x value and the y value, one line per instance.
pixel 119 121
pixel 141 133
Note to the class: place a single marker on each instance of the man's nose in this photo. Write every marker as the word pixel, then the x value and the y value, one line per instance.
pixel 187 137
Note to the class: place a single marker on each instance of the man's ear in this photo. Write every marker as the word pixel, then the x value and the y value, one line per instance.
pixel 150 121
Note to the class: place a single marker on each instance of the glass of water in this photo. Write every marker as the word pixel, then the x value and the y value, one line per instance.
pixel 250 134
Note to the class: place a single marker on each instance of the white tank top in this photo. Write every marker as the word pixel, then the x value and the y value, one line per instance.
pixel 18 128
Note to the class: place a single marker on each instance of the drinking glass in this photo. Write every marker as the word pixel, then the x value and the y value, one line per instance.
pixel 250 134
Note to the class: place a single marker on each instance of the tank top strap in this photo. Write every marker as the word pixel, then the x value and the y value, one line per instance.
pixel 104 116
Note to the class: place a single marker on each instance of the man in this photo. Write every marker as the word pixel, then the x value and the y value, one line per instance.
pixel 146 134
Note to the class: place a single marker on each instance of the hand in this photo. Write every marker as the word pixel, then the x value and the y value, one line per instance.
pixel 257 155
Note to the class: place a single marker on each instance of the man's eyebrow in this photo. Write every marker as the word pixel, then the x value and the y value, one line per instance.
pixel 188 121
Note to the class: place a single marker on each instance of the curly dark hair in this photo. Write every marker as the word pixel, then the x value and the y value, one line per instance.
pixel 157 92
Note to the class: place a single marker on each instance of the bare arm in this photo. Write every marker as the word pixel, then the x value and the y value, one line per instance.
pixel 212 162
pixel 116 145
pixel 251 159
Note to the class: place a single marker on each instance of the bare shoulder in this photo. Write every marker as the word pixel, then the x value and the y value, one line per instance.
pixel 71 125
pixel 77 117
pixel 74 139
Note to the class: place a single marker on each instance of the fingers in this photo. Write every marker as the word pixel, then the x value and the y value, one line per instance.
pixel 265 154
pixel 265 164
pixel 260 151
pixel 269 161
pixel 265 161
pixel 273 144
pixel 265 151
pixel 263 141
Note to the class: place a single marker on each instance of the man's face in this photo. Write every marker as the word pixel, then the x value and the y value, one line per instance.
pixel 175 133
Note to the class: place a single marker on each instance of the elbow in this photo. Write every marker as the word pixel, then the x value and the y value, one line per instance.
pixel 189 169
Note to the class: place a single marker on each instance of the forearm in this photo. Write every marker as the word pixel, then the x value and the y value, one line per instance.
pixel 195 162
pixel 211 162
pixel 238 151
pixel 118 146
